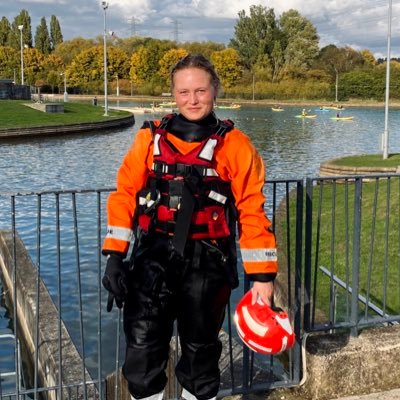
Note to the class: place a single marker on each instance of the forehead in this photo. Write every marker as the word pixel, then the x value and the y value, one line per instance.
pixel 191 75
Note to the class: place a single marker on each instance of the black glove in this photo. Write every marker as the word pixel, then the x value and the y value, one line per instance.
pixel 115 280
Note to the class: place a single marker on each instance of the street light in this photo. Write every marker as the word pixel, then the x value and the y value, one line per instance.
pixel 21 27
pixel 117 85
pixel 65 87
pixel 104 4
pixel 385 136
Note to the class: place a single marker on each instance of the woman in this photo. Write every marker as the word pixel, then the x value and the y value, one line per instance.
pixel 185 186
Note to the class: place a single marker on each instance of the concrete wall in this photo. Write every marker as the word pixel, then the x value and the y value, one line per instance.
pixel 26 288
pixel 329 168
pixel 67 129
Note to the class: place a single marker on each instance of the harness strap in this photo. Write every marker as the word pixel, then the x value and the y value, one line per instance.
pixel 185 214
pixel 180 169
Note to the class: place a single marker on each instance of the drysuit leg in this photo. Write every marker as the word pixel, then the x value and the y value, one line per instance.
pixel 148 325
pixel 201 302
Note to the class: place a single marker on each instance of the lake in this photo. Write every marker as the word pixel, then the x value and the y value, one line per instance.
pixel 292 148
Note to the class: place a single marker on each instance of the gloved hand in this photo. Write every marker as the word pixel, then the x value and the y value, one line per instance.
pixel 115 280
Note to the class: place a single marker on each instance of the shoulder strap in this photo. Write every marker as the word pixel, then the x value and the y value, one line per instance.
pixel 163 123
pixel 224 127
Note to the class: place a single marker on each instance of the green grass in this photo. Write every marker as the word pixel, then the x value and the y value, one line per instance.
pixel 14 114
pixel 332 242
pixel 368 160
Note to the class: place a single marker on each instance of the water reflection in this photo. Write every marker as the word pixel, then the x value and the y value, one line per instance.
pixel 292 148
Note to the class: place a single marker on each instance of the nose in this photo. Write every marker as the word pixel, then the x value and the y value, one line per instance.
pixel 193 98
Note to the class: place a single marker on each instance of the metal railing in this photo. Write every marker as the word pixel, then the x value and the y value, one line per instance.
pixel 352 252
pixel 50 249
pixel 339 257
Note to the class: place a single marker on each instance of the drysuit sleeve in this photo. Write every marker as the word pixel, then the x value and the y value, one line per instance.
pixel 244 168
pixel 121 204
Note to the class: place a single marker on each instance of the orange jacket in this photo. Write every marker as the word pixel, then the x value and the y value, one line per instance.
pixel 237 161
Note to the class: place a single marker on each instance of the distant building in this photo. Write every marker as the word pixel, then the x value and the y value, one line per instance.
pixel 10 91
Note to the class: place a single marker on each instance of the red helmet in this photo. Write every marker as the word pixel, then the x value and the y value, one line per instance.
pixel 261 328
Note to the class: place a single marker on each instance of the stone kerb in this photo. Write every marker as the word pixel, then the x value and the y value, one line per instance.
pixel 48 363
pixel 329 168
pixel 67 129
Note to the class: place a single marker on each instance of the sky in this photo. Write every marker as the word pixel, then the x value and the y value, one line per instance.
pixel 360 24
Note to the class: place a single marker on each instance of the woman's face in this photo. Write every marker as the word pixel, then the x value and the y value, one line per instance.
pixel 194 94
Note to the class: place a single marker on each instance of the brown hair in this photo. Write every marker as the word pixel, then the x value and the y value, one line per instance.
pixel 197 61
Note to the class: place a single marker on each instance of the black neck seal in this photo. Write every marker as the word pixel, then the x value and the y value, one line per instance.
pixel 190 131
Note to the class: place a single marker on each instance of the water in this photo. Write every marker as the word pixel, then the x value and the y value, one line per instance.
pixel 292 148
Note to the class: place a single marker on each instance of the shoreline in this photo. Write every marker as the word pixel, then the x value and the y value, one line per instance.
pixel 267 102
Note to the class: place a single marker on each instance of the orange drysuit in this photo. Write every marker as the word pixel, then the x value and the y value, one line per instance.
pixel 236 161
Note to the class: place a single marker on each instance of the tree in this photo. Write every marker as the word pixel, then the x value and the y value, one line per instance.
pixel 56 36
pixel 33 65
pixel 369 58
pixel 9 62
pixel 227 65
pixel 5 32
pixel 277 60
pixel 205 48
pixel 338 60
pixel 145 62
pixel 71 48
pixel 87 68
pixel 299 39
pixel 42 37
pixel 255 35
pixel 25 20
pixel 52 70
pixel 140 70
pixel 168 60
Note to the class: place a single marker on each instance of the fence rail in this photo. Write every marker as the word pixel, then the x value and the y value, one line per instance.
pixel 352 252
pixel 339 264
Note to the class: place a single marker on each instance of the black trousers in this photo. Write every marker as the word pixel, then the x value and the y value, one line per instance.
pixel 194 290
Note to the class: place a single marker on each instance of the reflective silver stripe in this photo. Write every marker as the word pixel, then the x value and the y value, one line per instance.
pixel 217 197
pixel 156 150
pixel 259 255
pixel 211 172
pixel 165 170
pixel 116 232
pixel 142 201
pixel 207 152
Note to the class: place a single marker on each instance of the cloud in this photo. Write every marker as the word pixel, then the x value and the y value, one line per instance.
pixel 357 23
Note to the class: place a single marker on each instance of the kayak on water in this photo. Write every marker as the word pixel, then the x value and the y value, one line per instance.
pixel 307 116
pixel 336 108
pixel 342 118
pixel 276 109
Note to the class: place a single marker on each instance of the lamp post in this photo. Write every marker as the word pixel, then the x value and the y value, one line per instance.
pixel 65 87
pixel 21 27
pixel 104 4
pixel 385 136
pixel 117 85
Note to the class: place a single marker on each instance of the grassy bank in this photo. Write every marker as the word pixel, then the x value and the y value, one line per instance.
pixel 15 114
pixel 368 160
pixel 332 243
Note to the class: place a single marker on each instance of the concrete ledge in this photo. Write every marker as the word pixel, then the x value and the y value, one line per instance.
pixel 330 169
pixel 338 365
pixel 48 341
pixel 47 107
pixel 65 129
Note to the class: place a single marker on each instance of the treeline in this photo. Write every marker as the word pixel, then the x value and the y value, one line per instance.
pixel 269 56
